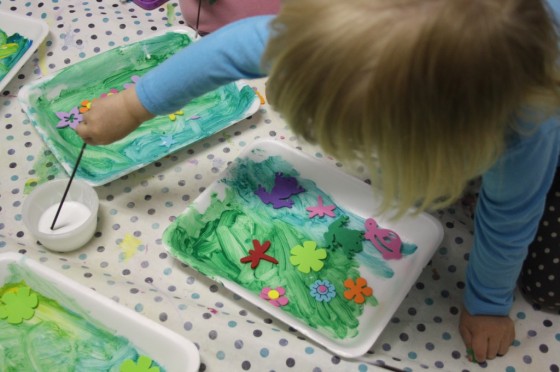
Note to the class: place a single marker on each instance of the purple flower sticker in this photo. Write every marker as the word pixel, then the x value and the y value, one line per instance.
pixel 134 79
pixel 71 119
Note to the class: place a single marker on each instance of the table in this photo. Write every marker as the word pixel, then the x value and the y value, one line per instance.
pixel 127 262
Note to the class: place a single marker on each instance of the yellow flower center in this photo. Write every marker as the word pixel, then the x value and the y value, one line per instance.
pixel 273 294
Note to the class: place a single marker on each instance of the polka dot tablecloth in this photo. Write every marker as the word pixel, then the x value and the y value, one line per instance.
pixel 135 209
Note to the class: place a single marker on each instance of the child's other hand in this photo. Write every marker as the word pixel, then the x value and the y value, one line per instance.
pixel 487 336
pixel 112 118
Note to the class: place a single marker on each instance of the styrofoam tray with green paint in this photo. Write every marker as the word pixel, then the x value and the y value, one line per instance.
pixel 299 239
pixel 48 320
pixel 55 104
pixel 20 36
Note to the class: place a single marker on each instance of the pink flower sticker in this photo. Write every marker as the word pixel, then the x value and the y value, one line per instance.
pixel 134 79
pixel 111 92
pixel 274 296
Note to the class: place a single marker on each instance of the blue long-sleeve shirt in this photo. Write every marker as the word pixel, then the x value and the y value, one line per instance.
pixel 513 191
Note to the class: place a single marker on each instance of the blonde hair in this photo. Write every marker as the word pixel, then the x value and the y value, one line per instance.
pixel 424 90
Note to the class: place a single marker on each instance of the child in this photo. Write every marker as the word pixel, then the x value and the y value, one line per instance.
pixel 208 15
pixel 441 91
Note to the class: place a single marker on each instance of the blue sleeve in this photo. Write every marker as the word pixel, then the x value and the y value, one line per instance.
pixel 234 52
pixel 554 6
pixel 508 213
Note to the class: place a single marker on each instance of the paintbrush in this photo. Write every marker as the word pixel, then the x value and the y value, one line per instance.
pixel 68 185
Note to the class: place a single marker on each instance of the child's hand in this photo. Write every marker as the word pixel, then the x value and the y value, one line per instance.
pixel 112 118
pixel 486 336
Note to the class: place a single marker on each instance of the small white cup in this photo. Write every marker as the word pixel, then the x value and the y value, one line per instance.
pixel 50 193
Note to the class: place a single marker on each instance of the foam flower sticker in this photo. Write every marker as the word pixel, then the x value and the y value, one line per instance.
pixel 144 364
pixel 85 106
pixel 18 305
pixel 110 93
pixel 357 290
pixel 274 296
pixel 69 119
pixel 167 140
pixel 308 257
pixel 134 79
pixel 174 115
pixel 322 290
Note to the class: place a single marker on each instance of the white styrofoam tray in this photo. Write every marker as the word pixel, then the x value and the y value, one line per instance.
pixel 33 29
pixel 357 197
pixel 170 350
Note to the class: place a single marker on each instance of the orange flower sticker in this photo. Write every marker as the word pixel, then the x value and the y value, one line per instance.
pixel 85 106
pixel 357 290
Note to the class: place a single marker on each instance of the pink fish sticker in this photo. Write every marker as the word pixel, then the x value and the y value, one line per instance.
pixel 386 241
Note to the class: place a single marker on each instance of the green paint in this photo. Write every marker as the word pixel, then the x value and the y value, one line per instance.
pixel 12 48
pixel 56 338
pixel 214 240
pixel 91 78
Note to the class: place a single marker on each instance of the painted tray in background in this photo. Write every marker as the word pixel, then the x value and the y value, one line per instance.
pixel 217 229
pixel 32 29
pixel 88 309
pixel 114 70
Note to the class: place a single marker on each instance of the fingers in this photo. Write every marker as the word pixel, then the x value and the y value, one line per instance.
pixel 493 347
pixel 467 336
pixel 480 348
pixel 83 131
pixel 487 348
pixel 506 342
pixel 486 336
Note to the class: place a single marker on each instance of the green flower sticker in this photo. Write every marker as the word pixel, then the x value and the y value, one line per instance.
pixel 18 305
pixel 308 257
pixel 144 364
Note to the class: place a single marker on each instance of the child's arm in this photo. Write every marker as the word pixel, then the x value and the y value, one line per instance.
pixel 234 52
pixel 509 209
pixel 231 53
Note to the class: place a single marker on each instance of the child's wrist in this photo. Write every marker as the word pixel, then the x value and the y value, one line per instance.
pixel 135 107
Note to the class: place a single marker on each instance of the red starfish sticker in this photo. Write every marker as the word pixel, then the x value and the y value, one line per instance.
pixel 256 255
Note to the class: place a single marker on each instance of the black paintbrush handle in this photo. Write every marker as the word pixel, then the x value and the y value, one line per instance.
pixel 68 185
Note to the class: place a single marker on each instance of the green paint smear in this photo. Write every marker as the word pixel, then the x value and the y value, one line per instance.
pixel 114 69
pixel 12 48
pixel 213 242
pixel 58 339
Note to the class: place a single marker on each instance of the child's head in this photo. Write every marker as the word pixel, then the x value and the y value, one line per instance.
pixel 431 87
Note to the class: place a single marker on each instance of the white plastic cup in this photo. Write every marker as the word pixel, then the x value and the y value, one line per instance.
pixel 49 194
